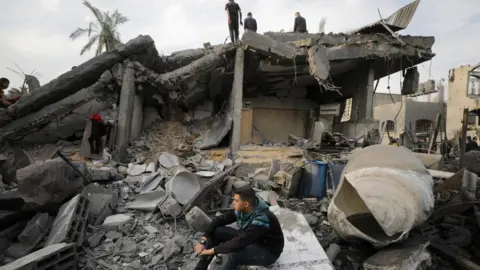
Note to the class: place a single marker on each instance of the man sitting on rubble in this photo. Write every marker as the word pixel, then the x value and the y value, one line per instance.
pixel 99 129
pixel 258 242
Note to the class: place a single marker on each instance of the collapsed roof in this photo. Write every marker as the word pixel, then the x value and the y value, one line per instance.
pixel 276 64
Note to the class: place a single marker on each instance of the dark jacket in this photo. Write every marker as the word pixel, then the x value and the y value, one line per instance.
pixel 471 145
pixel 300 25
pixel 258 227
pixel 250 24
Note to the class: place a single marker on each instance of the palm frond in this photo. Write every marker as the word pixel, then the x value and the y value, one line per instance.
pixel 78 33
pixel 96 12
pixel 89 44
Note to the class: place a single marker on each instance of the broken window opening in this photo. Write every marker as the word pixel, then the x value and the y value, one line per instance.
pixel 423 125
pixel 473 90
pixel 347 113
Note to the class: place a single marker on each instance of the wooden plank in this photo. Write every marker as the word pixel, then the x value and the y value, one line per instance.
pixel 246 131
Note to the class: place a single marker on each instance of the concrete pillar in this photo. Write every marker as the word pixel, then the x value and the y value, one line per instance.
pixel 125 109
pixel 369 94
pixel 362 99
pixel 236 100
pixel 137 120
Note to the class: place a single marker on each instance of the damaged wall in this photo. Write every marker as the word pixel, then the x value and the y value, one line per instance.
pixel 274 119
pixel 457 99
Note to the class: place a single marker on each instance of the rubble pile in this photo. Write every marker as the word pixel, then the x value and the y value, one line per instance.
pixel 170 163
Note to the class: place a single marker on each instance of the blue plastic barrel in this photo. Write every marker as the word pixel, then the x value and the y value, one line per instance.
pixel 312 183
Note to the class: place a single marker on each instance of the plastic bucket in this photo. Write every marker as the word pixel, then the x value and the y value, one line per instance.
pixel 312 182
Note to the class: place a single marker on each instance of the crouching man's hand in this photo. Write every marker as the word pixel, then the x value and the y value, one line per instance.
pixel 199 248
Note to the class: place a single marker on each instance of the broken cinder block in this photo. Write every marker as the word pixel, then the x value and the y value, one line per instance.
pixel 198 220
pixel 58 256
pixel 69 225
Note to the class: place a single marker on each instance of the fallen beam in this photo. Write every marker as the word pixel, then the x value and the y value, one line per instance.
pixel 303 39
pixel 63 118
pixel 374 50
pixel 78 78
pixel 269 47
pixel 319 65
pixel 199 67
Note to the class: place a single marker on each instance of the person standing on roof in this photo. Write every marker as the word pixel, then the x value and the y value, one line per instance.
pixel 250 23
pixel 234 14
pixel 300 25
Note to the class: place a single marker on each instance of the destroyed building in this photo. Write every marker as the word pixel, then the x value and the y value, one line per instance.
pixel 187 127
pixel 463 88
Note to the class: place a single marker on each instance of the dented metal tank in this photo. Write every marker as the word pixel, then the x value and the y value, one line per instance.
pixel 385 191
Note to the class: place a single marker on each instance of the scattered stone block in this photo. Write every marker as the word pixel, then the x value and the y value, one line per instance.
pixel 198 220
pixel 102 203
pixel 116 220
pixel 69 225
pixel 411 254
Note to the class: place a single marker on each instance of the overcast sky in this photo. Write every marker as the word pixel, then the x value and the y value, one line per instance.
pixel 34 33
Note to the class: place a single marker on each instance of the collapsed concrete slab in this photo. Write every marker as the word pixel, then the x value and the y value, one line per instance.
pixel 78 78
pixel 59 256
pixel 102 203
pixel 64 118
pixel 319 65
pixel 49 182
pixel 35 231
pixel 409 255
pixel 219 129
pixel 302 249
pixel 69 225
pixel 269 47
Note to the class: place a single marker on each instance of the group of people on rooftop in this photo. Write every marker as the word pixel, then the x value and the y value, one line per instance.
pixel 234 14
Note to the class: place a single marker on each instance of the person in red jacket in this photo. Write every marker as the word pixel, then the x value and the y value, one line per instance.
pixel 99 129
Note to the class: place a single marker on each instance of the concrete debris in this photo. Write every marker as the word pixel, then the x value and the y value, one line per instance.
pixel 116 220
pixel 198 220
pixel 165 115
pixel 409 255
pixel 69 225
pixel 183 186
pixel 54 181
pixel 148 201
pixel 151 182
pixel 102 203
pixel 219 129
pixel 375 206
pixel 58 256
pixel 136 169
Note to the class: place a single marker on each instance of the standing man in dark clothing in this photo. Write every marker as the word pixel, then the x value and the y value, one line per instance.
pixel 300 25
pixel 250 23
pixel 471 144
pixel 233 13
pixel 99 129
pixel 258 242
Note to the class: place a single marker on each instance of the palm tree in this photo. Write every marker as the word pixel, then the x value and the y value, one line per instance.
pixel 15 92
pixel 103 32
pixel 321 25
